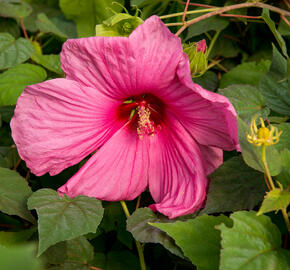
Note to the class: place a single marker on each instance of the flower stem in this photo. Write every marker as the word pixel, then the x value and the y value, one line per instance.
pixel 213 42
pixel 267 172
pixel 138 245
pixel 187 13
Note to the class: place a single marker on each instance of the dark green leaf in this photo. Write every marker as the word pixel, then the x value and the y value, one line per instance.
pixel 10 26
pixel 6 113
pixel 22 257
pixel 254 242
pixel 14 9
pixel 138 225
pixel 247 73
pixel 252 154
pixel 283 27
pixel 208 81
pixel 275 85
pixel 14 80
pixel 284 140
pixel 284 176
pixel 46 26
pixel 234 186
pixel 247 100
pixel 14 192
pixel 224 47
pixel 271 24
pixel 13 52
pixel 198 239
pixel 62 218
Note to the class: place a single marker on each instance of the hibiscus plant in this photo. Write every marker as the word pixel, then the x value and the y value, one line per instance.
pixel 141 134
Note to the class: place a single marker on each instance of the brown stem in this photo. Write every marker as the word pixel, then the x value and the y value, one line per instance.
pixel 285 20
pixel 185 10
pixel 17 164
pixel 228 8
pixel 95 268
pixel 240 16
pixel 23 28
pixel 267 183
pixel 286 2
pixel 198 5
pixel 27 176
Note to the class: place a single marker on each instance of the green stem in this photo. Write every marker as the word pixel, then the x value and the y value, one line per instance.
pixel 188 12
pixel 286 219
pixel 138 245
pixel 213 42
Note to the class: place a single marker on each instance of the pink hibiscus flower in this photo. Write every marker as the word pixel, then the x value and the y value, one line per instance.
pixel 132 99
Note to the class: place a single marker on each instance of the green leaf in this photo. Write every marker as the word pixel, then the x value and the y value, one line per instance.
pixel 247 100
pixel 198 239
pixel 224 47
pixel 14 192
pixel 71 254
pixel 283 27
pixel 247 73
pixel 10 26
pixel 275 85
pixel 137 224
pixel 284 176
pixel 254 242
pixel 213 23
pixel 252 154
pixel 284 140
pixel 87 13
pixel 14 80
pixel 12 238
pixel 276 199
pixel 50 62
pixel 13 52
pixel 208 81
pixel 234 179
pixel 271 24
pixel 62 218
pixel 46 26
pixel 21 257
pixel 14 9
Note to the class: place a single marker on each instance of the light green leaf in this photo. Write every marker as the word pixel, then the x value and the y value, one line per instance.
pixel 12 238
pixel 271 24
pixel 275 86
pixel 137 224
pixel 247 73
pixel 62 218
pixel 87 13
pixel 14 192
pixel 46 26
pixel 49 61
pixel 20 257
pixel 13 52
pixel 198 239
pixel 247 100
pixel 234 179
pixel 14 9
pixel 14 80
pixel 284 176
pixel 276 199
pixel 252 154
pixel 254 242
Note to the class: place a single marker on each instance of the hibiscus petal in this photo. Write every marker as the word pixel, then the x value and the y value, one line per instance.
pixel 209 117
pixel 122 67
pixel 177 177
pixel 118 171
pixel 59 122
pixel 212 158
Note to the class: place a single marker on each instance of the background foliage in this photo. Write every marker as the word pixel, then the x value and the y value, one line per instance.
pixel 248 63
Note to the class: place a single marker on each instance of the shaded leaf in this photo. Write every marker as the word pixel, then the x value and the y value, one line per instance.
pixel 13 52
pixel 276 199
pixel 234 186
pixel 14 80
pixel 14 192
pixel 284 176
pixel 247 73
pixel 198 239
pixel 62 218
pixel 247 100
pixel 10 26
pixel 12 238
pixel 208 81
pixel 252 154
pixel 254 242
pixel 284 140
pixel 271 24
pixel 46 26
pixel 21 257
pixel 14 9
pixel 138 225
pixel 275 86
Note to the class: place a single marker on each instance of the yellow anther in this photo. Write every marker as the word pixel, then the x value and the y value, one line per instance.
pixel 263 136
pixel 145 125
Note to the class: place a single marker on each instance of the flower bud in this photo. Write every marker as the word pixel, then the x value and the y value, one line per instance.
pixel 120 24
pixel 197 56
